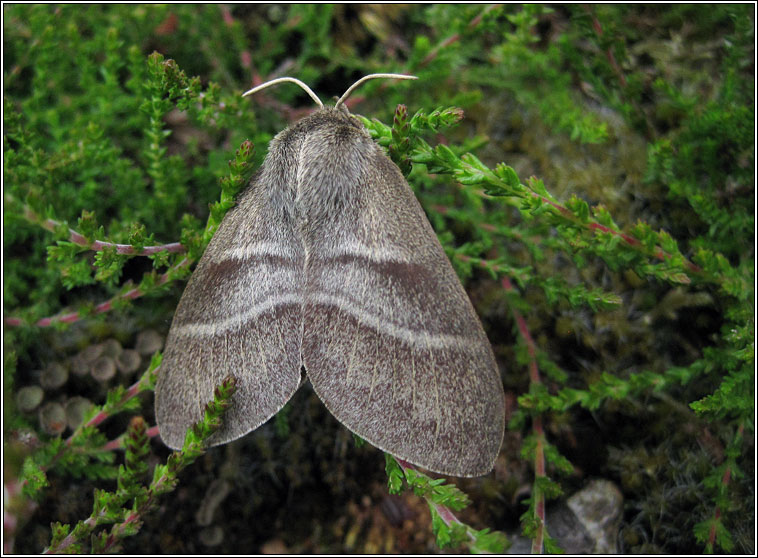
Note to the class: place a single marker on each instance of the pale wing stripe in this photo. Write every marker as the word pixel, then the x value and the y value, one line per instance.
pixel 250 251
pixel 379 254
pixel 407 335
pixel 234 321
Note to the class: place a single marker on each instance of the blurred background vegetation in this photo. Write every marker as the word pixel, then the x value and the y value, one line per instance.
pixel 648 380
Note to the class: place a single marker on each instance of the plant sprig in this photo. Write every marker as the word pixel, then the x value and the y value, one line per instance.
pixel 85 451
pixel 583 229
pixel 442 498
pixel 111 508
pixel 193 244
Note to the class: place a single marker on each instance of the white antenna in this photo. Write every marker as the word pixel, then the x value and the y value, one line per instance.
pixel 280 80
pixel 366 78
pixel 313 95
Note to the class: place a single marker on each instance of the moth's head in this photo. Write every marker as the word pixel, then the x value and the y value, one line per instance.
pixel 339 106
pixel 337 120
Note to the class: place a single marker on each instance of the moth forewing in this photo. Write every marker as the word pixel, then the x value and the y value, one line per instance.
pixel 240 314
pixel 391 342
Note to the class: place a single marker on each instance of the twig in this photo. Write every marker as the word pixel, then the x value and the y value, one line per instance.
pixel 658 252
pixel 77 238
pixel 164 480
pixel 100 417
pixel 456 36
pixel 725 479
pixel 539 433
pixel 444 512
pixel 118 443
pixel 618 71
pixel 565 212
pixel 100 308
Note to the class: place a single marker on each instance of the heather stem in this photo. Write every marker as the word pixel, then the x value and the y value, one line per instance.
pixel 77 238
pixel 539 433
pixel 106 306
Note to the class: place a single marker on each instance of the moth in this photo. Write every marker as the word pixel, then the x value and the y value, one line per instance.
pixel 328 264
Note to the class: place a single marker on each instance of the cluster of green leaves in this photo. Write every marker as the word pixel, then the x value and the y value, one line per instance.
pixel 83 454
pixel 707 163
pixel 112 508
pixel 712 532
pixel 88 142
pixel 581 233
pixel 443 499
pixel 179 92
pixel 705 160
pixel 519 63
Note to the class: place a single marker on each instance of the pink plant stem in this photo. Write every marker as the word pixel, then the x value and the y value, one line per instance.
pixel 99 418
pixel 449 517
pixel 456 36
pixel 118 443
pixel 712 531
pixel 608 53
pixel 78 238
pixel 658 252
pixel 539 471
pixel 444 512
pixel 70 539
pixel 484 264
pixel 539 433
pixel 617 70
pixel 725 479
pixel 100 308
pixel 630 240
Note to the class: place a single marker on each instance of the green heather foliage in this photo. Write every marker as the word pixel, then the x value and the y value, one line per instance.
pixel 588 169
